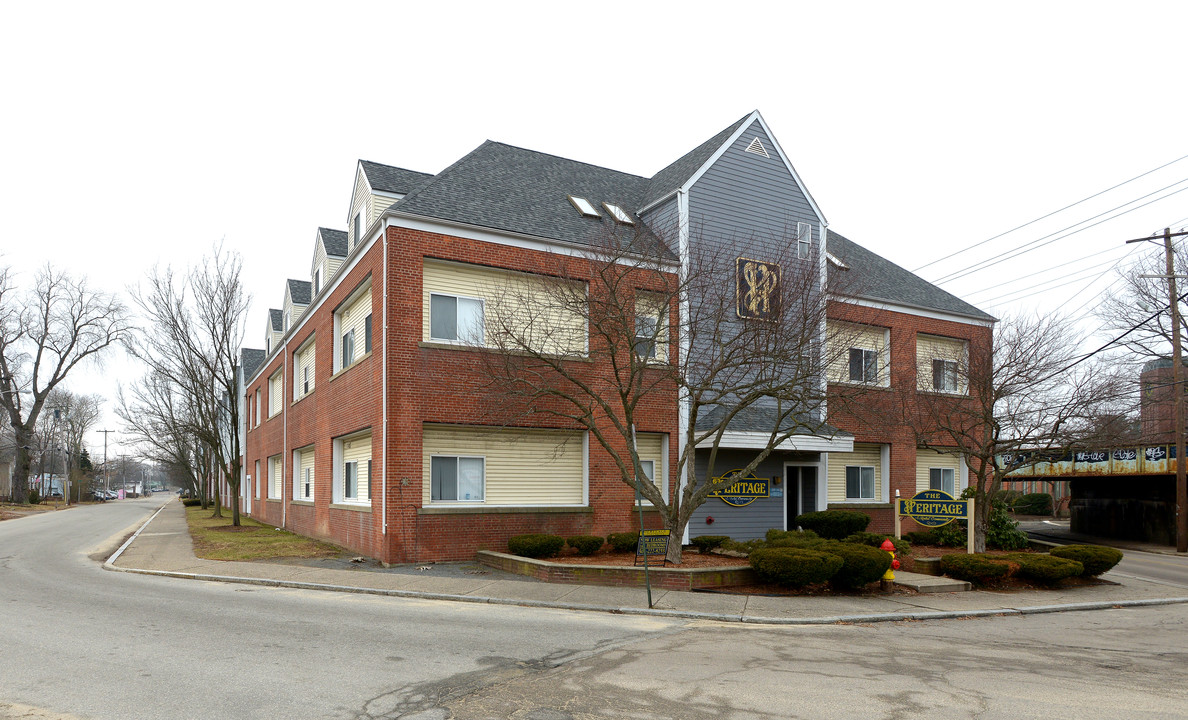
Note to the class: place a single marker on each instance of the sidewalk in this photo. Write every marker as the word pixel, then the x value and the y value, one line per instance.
pixel 163 547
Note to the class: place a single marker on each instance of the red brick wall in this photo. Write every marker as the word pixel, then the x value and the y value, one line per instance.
pixel 425 384
pixel 892 415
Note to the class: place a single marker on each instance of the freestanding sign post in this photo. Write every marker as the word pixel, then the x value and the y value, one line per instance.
pixel 934 508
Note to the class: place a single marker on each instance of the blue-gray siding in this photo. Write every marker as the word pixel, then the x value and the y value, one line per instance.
pixel 754 520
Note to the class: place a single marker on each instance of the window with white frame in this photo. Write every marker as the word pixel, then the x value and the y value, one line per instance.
pixel 303 370
pixel 455 318
pixel 457 478
pixel 258 479
pixel 367 334
pixel 276 389
pixel 651 327
pixel 944 375
pixel 804 240
pixel 860 482
pixel 276 470
pixel 944 479
pixel 317 280
pixel 350 328
pixel 288 319
pixel 303 474
pixel 352 469
pixel 864 365
pixel 358 227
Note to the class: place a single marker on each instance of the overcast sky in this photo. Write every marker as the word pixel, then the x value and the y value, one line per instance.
pixel 141 134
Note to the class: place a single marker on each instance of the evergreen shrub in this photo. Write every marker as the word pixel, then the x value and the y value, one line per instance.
pixel 978 568
pixel 585 544
pixel 709 543
pixel 834 524
pixel 1033 504
pixel 862 564
pixel 1096 559
pixel 875 540
pixel 794 567
pixel 535 545
pixel 1044 568
pixel 624 541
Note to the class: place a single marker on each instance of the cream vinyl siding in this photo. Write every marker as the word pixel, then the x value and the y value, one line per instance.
pixel 304 465
pixel 864 455
pixel 517 307
pixel 276 392
pixel 358 449
pixel 379 203
pixel 933 347
pixel 360 200
pixel 844 336
pixel 304 359
pixel 353 317
pixel 276 480
pixel 927 459
pixel 292 309
pixel 651 447
pixel 652 306
pixel 521 467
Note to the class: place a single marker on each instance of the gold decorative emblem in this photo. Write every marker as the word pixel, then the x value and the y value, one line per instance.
pixel 758 288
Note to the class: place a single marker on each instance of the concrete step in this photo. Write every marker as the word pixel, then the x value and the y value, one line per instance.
pixel 929 584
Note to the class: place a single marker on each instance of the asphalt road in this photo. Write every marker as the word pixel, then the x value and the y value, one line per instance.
pixel 82 642
pixel 1159 567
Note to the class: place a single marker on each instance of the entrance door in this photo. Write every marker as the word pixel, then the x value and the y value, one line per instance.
pixel 800 492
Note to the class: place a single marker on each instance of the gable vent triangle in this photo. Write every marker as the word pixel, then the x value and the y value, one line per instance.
pixel 757 148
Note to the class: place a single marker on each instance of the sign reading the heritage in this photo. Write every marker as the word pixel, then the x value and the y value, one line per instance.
pixel 652 542
pixel 933 508
pixel 739 491
pixel 757 285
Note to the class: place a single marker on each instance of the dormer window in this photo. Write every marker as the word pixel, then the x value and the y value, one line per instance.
pixel 584 206
pixel 317 280
pixel 288 319
pixel 358 226
pixel 618 214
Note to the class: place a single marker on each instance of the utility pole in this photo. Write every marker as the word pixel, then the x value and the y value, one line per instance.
pixel 106 485
pixel 1178 391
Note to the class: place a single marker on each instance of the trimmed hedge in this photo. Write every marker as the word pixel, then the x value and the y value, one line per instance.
pixel 1033 504
pixel 191 502
pixel 709 543
pixel 804 539
pixel 585 544
pixel 977 568
pixel 795 567
pixel 875 540
pixel 535 545
pixel 921 537
pixel 1095 559
pixel 1044 568
pixel 862 564
pixel 624 541
pixel 834 524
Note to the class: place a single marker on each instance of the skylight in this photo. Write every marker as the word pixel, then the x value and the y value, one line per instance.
pixel 618 214
pixel 584 206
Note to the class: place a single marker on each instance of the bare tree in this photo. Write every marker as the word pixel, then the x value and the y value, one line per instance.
pixel 46 332
pixel 158 419
pixel 1136 310
pixel 597 341
pixel 1027 400
pixel 194 328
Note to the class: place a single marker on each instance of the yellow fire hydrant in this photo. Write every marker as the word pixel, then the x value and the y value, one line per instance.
pixel 890 548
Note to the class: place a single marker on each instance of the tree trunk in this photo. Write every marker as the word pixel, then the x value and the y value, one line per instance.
pixel 981 521
pixel 676 534
pixel 20 471
pixel 218 501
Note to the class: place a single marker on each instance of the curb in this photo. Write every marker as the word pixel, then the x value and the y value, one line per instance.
pixel 651 612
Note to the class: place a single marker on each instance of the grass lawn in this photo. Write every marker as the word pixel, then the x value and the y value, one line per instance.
pixel 218 539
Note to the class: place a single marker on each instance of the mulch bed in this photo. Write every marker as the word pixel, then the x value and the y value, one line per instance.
pixel 627 559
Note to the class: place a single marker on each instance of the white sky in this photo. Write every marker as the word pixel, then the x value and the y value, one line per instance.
pixel 136 134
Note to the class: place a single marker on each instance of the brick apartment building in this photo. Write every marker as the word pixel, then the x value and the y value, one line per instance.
pixel 369 421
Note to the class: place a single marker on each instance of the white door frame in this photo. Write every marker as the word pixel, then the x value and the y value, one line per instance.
pixel 820 466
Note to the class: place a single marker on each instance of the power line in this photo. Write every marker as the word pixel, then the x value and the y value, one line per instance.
pixel 1054 212
pixel 1028 247
pixel 1066 279
pixel 1048 270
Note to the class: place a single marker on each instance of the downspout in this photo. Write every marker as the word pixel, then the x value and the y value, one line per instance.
pixel 285 437
pixel 384 388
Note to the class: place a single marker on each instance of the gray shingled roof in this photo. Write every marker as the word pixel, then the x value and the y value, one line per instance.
pixel 875 278
pixel 335 241
pixel 503 187
pixel 277 318
pixel 300 291
pixel 392 179
pixel 675 175
pixel 250 360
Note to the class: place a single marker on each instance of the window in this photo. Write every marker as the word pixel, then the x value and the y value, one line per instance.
pixel 268 344
pixel 645 337
pixel 456 318
pixel 348 348
pixel 367 334
pixel 275 480
pixel 306 380
pixel 307 484
pixel 864 365
pixel 457 478
pixel 650 327
pixel 276 388
pixel 944 375
pixel 288 318
pixel 303 474
pixel 804 240
pixel 317 280
pixel 358 226
pixel 942 479
pixel 257 476
pixel 584 206
pixel 860 482
pixel 257 419
pixel 618 214
pixel 352 469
